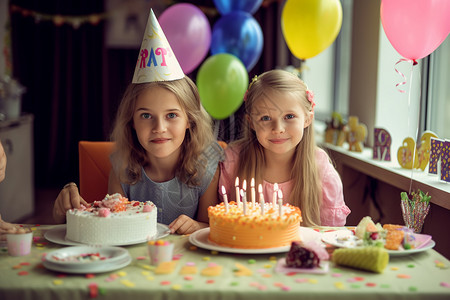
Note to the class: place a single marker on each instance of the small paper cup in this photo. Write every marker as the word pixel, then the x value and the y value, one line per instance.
pixel 160 251
pixel 19 244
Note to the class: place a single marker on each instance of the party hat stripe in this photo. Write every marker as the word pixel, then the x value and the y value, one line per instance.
pixel 156 60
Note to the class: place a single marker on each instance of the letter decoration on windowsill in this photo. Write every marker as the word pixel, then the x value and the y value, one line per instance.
pixel 382 144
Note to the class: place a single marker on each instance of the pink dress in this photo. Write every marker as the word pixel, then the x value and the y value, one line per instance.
pixel 333 211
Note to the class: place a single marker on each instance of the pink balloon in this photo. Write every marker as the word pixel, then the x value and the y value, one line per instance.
pixel 415 28
pixel 189 34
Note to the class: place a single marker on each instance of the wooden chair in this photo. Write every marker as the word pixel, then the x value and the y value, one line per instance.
pixel 94 169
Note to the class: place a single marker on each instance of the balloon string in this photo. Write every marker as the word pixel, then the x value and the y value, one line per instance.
pixel 418 121
pixel 401 74
pixel 216 128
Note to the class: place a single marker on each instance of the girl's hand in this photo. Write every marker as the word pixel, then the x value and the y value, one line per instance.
pixel 68 198
pixel 185 225
pixel 6 228
pixel 2 163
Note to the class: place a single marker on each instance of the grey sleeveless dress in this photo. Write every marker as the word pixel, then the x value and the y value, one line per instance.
pixel 173 197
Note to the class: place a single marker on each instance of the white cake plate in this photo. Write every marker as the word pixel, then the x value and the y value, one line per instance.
pixel 200 239
pixel 57 235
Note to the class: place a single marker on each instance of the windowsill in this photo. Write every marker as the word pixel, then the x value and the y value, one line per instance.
pixel 392 173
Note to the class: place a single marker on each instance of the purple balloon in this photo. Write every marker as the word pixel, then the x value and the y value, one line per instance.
pixel 189 34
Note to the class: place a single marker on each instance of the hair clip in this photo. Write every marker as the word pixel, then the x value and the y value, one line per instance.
pixel 250 85
pixel 310 97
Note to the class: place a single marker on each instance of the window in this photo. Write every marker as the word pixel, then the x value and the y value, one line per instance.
pixel 328 74
pixel 318 74
pixel 424 104
pixel 397 112
pixel 438 104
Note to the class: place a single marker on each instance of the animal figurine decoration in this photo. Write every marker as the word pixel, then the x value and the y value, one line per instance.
pixel 336 130
pixel 356 134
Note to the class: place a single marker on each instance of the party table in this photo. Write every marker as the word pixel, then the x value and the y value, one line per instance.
pixel 218 275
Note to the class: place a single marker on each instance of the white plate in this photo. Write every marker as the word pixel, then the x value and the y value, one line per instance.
pixel 89 268
pixel 200 239
pixel 65 256
pixel 57 235
pixel 340 238
pixel 346 239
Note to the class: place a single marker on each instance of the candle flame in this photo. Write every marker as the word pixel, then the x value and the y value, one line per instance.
pixel 252 182
pixel 260 188
pixel 275 186
pixel 236 183
pixel 280 194
pixel 224 192
pixel 244 185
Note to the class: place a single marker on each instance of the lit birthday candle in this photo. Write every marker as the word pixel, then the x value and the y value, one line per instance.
pixel 261 199
pixel 244 202
pixel 275 190
pixel 236 184
pixel 280 203
pixel 225 198
pixel 252 189
pixel 244 188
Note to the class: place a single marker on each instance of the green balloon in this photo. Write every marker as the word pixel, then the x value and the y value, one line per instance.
pixel 222 81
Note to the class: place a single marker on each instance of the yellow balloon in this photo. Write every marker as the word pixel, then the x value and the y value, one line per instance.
pixel 310 26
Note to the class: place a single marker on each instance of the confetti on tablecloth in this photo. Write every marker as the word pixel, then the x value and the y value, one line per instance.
pixel 242 270
pixel 188 270
pixel 212 271
pixel 166 267
pixel 339 285
pixel 127 283
pixel 93 290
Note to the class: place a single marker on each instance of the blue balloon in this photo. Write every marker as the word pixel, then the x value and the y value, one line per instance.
pixel 227 6
pixel 238 33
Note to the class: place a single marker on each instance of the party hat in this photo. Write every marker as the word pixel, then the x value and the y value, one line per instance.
pixel 156 60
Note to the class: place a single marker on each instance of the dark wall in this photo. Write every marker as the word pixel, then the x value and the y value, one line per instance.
pixel 74 81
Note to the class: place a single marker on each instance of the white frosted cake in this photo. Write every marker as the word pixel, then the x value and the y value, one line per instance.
pixel 112 221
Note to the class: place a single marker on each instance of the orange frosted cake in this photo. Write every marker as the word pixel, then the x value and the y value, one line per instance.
pixel 254 230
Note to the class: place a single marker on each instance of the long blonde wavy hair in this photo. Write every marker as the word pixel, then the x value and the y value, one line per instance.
pixel 307 189
pixel 130 156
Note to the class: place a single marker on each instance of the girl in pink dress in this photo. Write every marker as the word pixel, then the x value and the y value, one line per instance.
pixel 278 146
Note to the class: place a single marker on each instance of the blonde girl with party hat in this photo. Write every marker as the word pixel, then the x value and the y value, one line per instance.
pixel 166 153
pixel 165 149
pixel 278 149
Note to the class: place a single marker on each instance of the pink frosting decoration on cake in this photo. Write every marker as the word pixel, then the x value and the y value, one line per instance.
pixel 147 208
pixel 111 201
pixel 104 212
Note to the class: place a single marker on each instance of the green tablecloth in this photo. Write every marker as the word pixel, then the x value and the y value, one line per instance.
pixel 424 275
